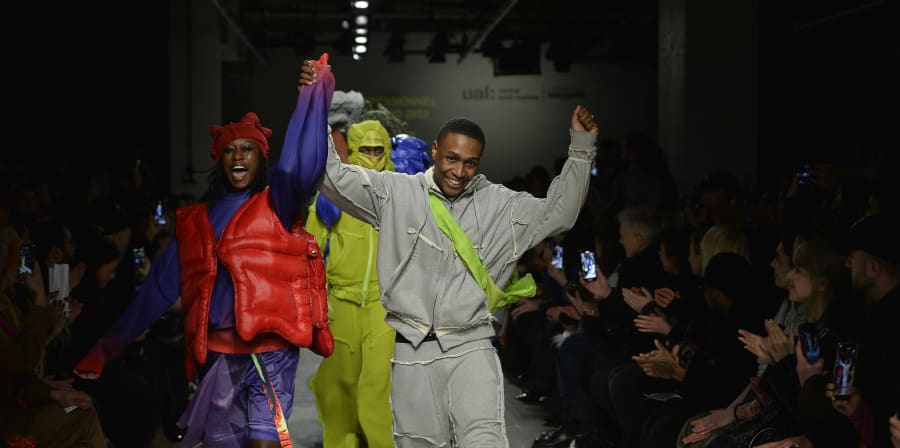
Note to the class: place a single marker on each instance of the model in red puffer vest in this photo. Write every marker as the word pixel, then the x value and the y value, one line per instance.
pixel 279 282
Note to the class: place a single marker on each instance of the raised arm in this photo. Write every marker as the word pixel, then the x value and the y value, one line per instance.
pixel 557 212
pixel 293 179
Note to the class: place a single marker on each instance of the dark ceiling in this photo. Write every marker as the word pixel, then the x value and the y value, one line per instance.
pixel 591 30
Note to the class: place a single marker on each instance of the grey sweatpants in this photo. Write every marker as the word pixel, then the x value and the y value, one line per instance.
pixel 447 399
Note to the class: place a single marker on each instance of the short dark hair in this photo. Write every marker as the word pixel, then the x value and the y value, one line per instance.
pixel 464 126
pixel 730 273
pixel 47 235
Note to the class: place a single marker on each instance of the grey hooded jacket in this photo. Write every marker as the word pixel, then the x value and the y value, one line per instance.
pixel 424 283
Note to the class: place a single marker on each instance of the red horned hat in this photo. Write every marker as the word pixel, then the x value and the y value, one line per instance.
pixel 248 127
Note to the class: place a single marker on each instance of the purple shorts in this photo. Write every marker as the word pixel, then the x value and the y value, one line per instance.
pixel 230 406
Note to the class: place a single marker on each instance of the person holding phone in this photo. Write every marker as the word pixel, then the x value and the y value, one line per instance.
pixel 639 228
pixel 447 383
pixel 867 412
pixel 237 263
pixel 874 263
pixel 817 282
pixel 53 412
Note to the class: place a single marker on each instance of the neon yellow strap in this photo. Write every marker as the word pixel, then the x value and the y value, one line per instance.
pixel 516 289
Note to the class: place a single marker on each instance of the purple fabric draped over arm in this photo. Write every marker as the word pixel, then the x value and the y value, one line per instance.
pixel 302 162
pixel 157 294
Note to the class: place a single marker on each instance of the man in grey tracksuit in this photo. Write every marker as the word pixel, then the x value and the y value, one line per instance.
pixel 447 386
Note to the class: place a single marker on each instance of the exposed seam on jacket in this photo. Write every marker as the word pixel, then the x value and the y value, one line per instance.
pixel 429 242
pixel 426 362
pixel 411 321
pixel 416 436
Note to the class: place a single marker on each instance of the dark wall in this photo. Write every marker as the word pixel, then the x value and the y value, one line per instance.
pixel 89 81
pixel 828 81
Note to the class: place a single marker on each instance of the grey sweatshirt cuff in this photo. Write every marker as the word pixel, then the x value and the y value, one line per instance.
pixel 582 145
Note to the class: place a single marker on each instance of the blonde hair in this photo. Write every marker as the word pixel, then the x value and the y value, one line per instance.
pixel 722 238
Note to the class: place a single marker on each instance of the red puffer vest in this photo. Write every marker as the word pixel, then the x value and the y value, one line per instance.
pixel 279 283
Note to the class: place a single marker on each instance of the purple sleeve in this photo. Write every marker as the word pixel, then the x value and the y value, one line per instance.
pixel 302 162
pixel 159 291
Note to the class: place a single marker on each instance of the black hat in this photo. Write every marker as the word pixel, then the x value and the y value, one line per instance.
pixel 878 236
pixel 730 273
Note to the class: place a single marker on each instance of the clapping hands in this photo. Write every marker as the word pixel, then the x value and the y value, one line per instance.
pixel 665 296
pixel 661 363
pixel 652 323
pixel 774 347
pixel 636 298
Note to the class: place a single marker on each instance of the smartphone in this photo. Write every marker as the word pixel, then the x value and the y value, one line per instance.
pixel 159 213
pixel 809 342
pixel 588 266
pixel 26 260
pixel 557 260
pixel 803 174
pixel 138 255
pixel 844 368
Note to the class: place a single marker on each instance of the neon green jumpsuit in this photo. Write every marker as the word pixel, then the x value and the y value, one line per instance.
pixel 353 386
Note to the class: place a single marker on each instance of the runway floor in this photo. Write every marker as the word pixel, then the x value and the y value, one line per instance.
pixel 523 422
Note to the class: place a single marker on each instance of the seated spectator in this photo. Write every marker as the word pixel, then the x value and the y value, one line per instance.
pixel 50 413
pixel 704 371
pixel 819 283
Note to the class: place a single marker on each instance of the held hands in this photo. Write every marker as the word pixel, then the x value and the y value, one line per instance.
pixel 307 75
pixel 583 120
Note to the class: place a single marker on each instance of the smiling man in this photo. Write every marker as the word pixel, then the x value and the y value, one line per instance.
pixel 447 386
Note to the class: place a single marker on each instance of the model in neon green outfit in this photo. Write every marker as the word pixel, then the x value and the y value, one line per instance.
pixel 353 386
